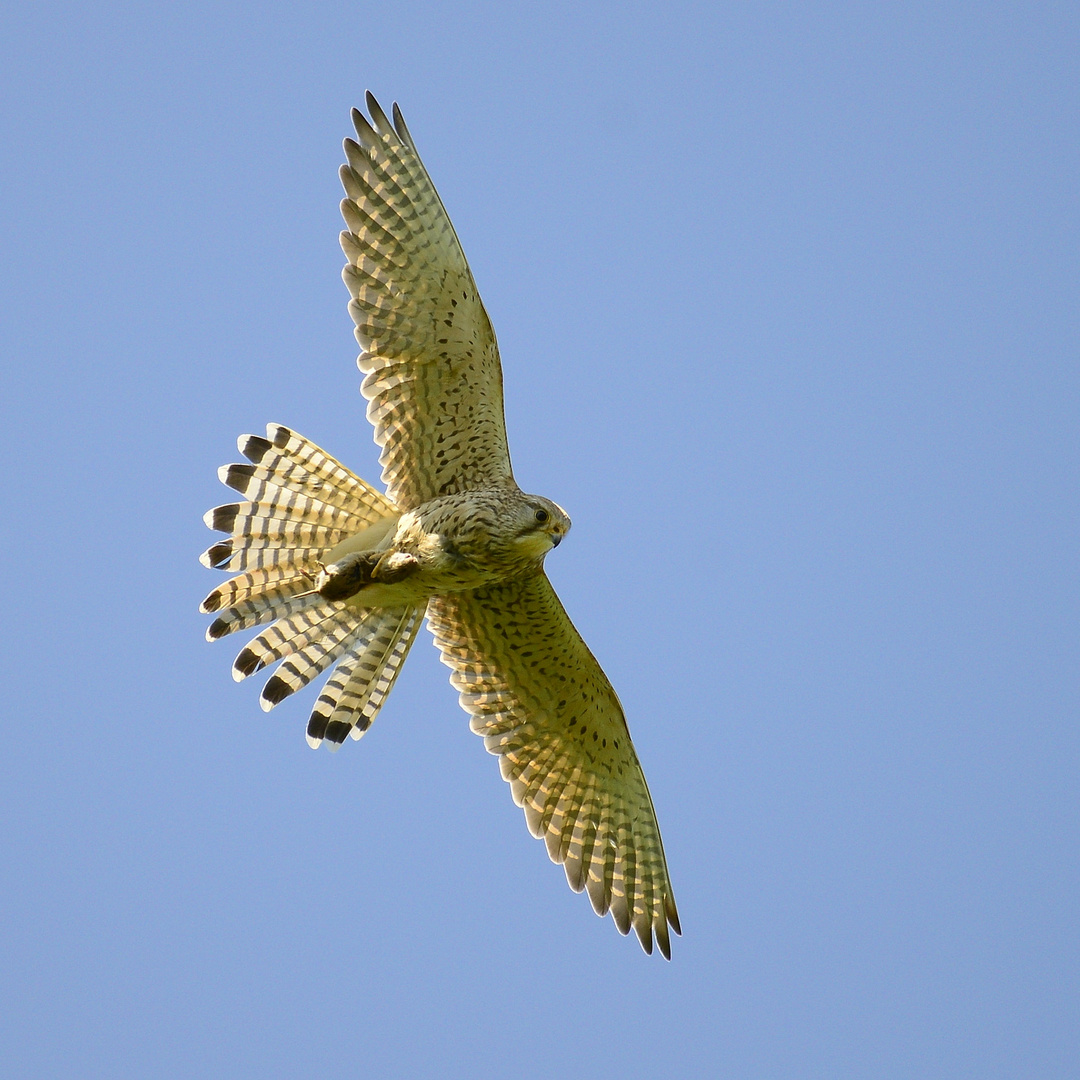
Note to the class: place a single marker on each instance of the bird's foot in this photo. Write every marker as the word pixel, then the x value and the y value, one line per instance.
pixel 347 576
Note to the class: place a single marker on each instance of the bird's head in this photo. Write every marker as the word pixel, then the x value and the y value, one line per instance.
pixel 539 526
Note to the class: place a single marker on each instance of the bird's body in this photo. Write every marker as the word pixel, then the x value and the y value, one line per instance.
pixel 453 543
pixel 344 573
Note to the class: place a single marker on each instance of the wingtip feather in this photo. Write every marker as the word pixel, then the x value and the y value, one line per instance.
pixel 378 117
pixel 365 133
pixel 402 129
pixel 672 914
pixel 643 929
pixel 662 938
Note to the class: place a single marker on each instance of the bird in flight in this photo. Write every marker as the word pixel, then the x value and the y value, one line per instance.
pixel 344 573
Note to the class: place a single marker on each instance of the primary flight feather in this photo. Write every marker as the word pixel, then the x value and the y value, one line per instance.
pixel 343 573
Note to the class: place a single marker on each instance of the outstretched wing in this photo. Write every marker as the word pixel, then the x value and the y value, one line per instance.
pixel 540 700
pixel 431 362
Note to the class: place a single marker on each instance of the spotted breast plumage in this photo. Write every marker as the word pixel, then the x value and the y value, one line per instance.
pixel 343 574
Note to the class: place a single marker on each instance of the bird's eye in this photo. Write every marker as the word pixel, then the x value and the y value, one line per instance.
pixel 541 516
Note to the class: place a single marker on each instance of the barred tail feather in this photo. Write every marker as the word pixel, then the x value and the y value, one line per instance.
pixel 252 585
pixel 264 487
pixel 312 525
pixel 300 667
pixel 243 553
pixel 288 460
pixel 272 604
pixel 319 624
pixel 281 504
pixel 355 692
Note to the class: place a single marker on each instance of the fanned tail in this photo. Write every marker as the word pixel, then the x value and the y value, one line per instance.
pixel 299 503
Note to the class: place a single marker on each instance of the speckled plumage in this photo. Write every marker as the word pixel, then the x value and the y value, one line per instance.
pixel 343 573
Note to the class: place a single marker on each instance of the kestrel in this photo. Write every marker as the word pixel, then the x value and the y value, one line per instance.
pixel 344 573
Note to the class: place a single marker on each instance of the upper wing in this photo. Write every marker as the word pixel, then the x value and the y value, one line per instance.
pixel 540 700
pixel 434 382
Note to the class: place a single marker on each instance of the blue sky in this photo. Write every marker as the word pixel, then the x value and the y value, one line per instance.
pixel 787 302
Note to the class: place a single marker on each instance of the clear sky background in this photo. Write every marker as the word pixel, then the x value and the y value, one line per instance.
pixel 788 307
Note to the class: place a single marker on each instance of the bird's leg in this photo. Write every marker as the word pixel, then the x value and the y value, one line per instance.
pixel 349 575
pixel 346 577
pixel 395 566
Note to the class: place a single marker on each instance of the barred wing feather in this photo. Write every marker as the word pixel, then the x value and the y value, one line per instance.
pixel 540 700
